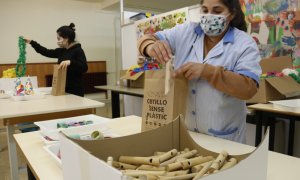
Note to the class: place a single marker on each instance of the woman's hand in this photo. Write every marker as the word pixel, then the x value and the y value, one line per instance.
pixel 190 70
pixel 27 41
pixel 64 64
pixel 160 50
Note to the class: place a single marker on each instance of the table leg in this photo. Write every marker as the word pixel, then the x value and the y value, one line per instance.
pixel 258 133
pixel 291 137
pixel 30 174
pixel 272 132
pixel 115 104
pixel 12 152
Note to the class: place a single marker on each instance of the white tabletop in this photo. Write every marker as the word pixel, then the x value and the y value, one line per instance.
pixel 270 108
pixel 50 104
pixel 279 166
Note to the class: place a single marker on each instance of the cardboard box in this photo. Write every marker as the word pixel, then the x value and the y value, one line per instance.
pixel 58 81
pixel 135 81
pixel 276 88
pixel 49 128
pixel 87 160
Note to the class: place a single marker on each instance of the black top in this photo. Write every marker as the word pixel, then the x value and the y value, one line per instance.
pixel 78 66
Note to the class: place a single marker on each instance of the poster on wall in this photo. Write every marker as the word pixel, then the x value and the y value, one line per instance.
pixel 161 22
pixel 274 24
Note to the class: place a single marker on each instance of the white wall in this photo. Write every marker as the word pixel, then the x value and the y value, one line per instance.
pixel 39 20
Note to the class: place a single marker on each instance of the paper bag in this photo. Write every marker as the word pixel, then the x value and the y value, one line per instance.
pixel 160 108
pixel 58 81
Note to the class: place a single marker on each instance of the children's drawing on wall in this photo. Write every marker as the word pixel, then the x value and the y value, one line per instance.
pixel 272 24
pixel 296 50
pixel 161 22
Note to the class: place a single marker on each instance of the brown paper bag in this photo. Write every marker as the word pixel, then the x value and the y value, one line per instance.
pixel 58 81
pixel 160 109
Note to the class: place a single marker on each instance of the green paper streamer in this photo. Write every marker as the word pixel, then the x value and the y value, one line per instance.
pixel 22 58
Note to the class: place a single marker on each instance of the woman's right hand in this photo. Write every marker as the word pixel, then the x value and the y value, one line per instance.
pixel 160 50
pixel 27 40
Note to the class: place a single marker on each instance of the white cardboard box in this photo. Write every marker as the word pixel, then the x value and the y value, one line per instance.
pixel 49 128
pixel 53 150
pixel 81 130
pixel 52 124
pixel 84 160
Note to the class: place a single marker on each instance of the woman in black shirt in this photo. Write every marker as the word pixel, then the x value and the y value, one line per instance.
pixel 70 55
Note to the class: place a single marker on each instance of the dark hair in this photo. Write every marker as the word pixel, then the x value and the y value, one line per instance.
pixel 67 32
pixel 239 17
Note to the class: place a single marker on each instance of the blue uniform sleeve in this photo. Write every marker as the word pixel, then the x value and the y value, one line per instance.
pixel 248 62
pixel 172 36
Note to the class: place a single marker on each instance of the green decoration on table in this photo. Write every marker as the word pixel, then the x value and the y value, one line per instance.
pixel 22 58
pixel 295 77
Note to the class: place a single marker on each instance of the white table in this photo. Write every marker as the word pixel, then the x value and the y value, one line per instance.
pixel 51 107
pixel 44 167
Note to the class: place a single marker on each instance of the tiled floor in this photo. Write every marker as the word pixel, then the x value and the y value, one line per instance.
pixel 4 162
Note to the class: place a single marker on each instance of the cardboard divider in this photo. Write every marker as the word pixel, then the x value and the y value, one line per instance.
pixel 86 160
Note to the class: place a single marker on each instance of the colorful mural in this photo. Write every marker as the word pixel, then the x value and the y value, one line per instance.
pixel 274 24
pixel 164 21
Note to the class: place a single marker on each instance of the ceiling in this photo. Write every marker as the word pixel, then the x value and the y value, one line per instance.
pixel 143 5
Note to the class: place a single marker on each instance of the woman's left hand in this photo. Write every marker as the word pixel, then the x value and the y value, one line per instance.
pixel 190 70
pixel 64 64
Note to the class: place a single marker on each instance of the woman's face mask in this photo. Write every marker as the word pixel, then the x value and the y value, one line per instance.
pixel 212 24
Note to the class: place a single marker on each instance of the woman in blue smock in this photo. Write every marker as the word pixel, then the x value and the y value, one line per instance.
pixel 221 62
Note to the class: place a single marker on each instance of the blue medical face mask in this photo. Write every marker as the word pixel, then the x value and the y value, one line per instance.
pixel 212 24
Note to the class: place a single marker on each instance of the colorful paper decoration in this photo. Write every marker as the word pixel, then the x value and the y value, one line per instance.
pixel 147 66
pixel 73 124
pixel 19 88
pixel 28 87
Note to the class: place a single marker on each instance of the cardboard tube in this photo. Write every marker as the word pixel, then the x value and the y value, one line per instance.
pixel 199 167
pixel 137 173
pixel 229 164
pixel 110 160
pixel 185 150
pixel 158 153
pixel 203 171
pixel 217 164
pixel 173 166
pixel 181 177
pixel 167 155
pixel 154 161
pixel 188 154
pixel 148 177
pixel 195 161
pixel 123 166
pixel 177 173
pixel 151 168
pixel 215 171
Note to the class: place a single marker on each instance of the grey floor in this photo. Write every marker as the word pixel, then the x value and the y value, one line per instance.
pixel 4 163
